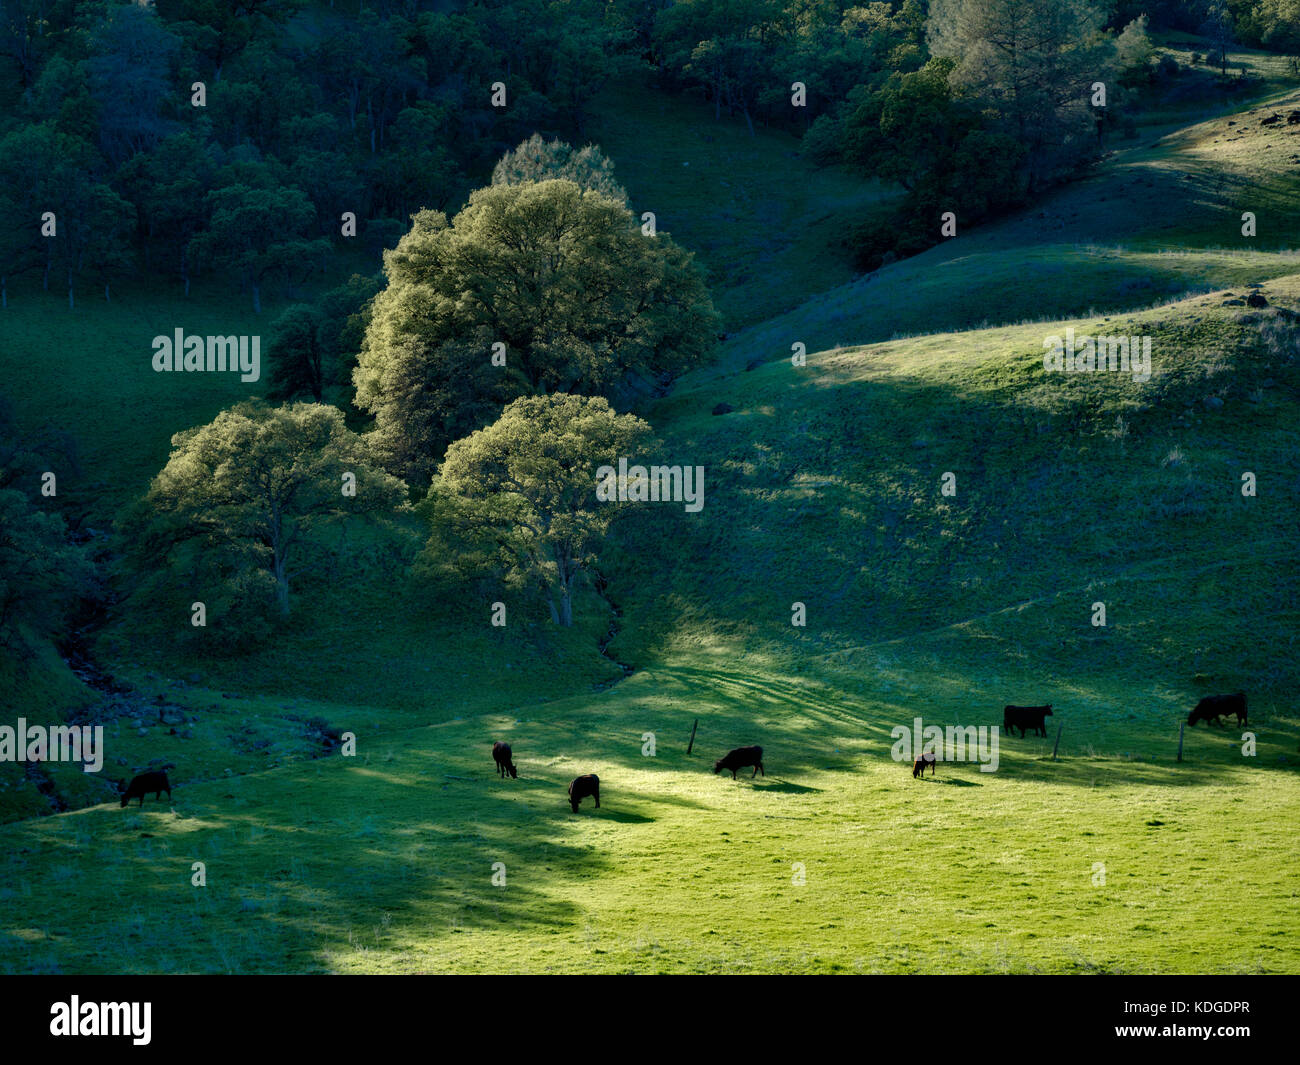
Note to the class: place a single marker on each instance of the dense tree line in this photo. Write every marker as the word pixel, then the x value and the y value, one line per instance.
pixel 190 137
pixel 45 567
pixel 230 138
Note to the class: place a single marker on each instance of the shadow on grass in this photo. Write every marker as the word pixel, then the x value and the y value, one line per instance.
pixel 785 786
pixel 623 817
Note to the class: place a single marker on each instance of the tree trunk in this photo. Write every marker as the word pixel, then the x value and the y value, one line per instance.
pixel 257 297
pixel 281 581
pixel 566 607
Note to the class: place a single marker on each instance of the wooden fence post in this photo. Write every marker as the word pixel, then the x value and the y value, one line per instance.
pixel 1056 746
pixel 1181 725
pixel 693 728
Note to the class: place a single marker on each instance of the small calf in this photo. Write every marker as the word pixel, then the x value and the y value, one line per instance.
pixel 583 786
pixel 918 767
pixel 145 783
pixel 741 758
pixel 501 754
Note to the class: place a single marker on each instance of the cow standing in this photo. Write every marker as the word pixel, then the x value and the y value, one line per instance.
pixel 742 758
pixel 143 784
pixel 1026 717
pixel 926 759
pixel 502 755
pixel 1213 707
pixel 581 787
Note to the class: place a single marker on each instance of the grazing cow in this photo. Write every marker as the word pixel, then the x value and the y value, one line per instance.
pixel 741 758
pixel 583 786
pixel 501 754
pixel 145 783
pixel 1026 717
pixel 918 767
pixel 1212 707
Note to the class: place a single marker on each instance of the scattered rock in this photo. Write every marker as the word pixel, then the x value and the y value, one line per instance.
pixel 1256 299
pixel 142 732
pixel 723 408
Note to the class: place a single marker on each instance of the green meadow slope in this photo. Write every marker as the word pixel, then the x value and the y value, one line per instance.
pixel 385 863
pixel 1154 222
pixel 764 222
pixel 822 487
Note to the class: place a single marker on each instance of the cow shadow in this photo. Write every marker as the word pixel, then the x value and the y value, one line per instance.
pixel 785 787
pixel 622 817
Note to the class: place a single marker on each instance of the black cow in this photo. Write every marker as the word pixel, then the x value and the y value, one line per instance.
pixel 581 787
pixel 1026 717
pixel 145 783
pixel 1212 707
pixel 918 767
pixel 501 754
pixel 740 758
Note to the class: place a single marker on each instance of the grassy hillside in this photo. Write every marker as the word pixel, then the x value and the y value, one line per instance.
pixel 385 863
pixel 764 222
pixel 1155 221
pixel 917 608
pixel 823 486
